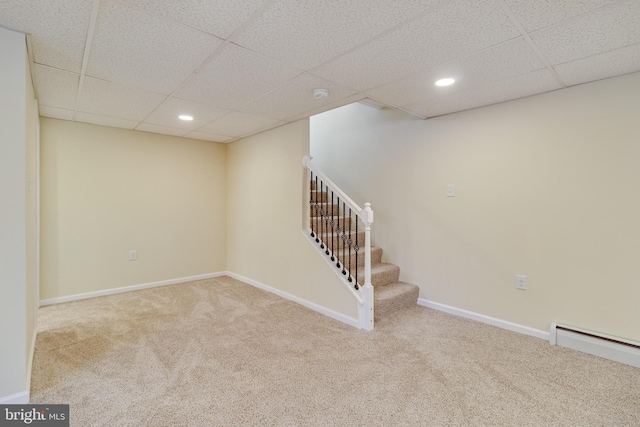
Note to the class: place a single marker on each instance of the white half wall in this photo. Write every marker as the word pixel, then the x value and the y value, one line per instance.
pixel 545 187
pixel 265 210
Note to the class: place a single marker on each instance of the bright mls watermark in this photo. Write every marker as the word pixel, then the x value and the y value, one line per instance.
pixel 34 415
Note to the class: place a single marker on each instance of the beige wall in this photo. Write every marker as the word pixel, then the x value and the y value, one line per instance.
pixel 106 191
pixel 546 187
pixel 264 219
pixel 16 253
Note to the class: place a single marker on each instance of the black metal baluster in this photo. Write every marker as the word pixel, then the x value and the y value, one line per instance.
pixel 333 223
pixel 344 237
pixel 316 206
pixel 325 198
pixel 324 219
pixel 338 236
pixel 349 241
pixel 321 213
pixel 355 249
pixel 311 203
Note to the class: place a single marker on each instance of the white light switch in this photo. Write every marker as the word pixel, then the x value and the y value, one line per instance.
pixel 521 282
pixel 451 191
pixel 133 255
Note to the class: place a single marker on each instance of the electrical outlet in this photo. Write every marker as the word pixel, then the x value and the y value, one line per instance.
pixel 133 255
pixel 521 282
pixel 451 191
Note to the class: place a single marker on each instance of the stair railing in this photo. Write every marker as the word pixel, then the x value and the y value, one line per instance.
pixel 331 227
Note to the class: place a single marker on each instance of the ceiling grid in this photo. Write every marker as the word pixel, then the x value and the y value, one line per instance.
pixel 240 67
pixel 87 49
pixel 533 46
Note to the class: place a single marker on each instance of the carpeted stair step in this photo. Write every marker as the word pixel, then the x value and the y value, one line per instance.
pixel 347 223
pixel 337 209
pixel 323 197
pixel 381 274
pixel 320 196
pixel 325 236
pixel 376 256
pixel 394 297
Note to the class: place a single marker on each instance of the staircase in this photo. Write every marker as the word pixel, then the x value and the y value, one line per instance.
pixel 390 295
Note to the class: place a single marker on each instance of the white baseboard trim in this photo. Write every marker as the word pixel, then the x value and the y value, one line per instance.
pixel 21 398
pixel 313 306
pixel 112 291
pixel 514 327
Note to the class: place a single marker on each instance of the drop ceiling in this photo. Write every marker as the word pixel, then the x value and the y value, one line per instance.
pixel 240 67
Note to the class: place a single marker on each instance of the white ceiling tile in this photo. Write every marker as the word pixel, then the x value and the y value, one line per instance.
pixel 499 62
pixel 330 106
pixel 609 64
pixel 308 33
pixel 499 91
pixel 56 88
pixel 536 14
pixel 605 29
pixel 109 99
pixel 105 120
pixel 55 113
pixel 167 114
pixel 295 97
pixel 414 88
pixel 135 48
pixel 236 124
pixel 235 77
pixel 208 136
pixel 453 31
pixel 164 130
pixel 217 17
pixel 59 28
pixel 265 128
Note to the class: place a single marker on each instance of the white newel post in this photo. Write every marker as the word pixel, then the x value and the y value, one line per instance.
pixel 366 317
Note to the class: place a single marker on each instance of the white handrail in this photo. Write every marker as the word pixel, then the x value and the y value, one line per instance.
pixel 306 162
pixel 366 302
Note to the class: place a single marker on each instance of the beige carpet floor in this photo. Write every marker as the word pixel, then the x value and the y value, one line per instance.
pixel 221 353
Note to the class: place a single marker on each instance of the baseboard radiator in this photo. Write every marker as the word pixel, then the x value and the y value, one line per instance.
pixel 601 345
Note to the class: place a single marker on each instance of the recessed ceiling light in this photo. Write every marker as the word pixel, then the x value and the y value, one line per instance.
pixel 445 82
pixel 185 117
